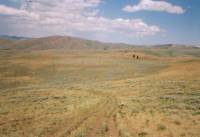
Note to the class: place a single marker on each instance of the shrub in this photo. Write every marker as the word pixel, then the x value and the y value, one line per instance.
pixel 161 127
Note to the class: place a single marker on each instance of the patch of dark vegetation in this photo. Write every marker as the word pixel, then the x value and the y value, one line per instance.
pixel 193 101
pixel 104 128
pixel 161 127
pixel 177 122
pixel 58 98
pixel 4 113
pixel 142 134
pixel 196 113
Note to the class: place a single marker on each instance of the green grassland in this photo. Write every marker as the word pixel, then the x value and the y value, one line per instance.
pixel 100 93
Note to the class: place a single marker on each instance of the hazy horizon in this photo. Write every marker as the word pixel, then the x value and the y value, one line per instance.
pixel 155 44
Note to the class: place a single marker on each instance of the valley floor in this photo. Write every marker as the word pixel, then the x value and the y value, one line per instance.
pixel 98 94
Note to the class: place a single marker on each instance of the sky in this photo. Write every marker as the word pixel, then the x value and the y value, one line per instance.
pixel 129 21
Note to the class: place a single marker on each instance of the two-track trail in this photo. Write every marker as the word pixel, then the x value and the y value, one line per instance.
pixel 99 120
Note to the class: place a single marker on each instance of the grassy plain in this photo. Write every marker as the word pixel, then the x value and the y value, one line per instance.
pixel 100 93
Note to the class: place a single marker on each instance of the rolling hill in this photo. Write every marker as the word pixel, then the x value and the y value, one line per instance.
pixel 73 43
pixel 56 42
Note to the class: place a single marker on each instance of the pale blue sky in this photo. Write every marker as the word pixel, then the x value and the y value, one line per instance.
pixel 129 21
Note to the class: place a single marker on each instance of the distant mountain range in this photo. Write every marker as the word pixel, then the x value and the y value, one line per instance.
pixel 67 42
pixel 12 37
pixel 168 46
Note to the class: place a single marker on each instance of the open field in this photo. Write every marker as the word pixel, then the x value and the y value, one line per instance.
pixel 100 93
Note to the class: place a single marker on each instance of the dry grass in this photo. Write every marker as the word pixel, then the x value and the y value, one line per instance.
pixel 56 93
